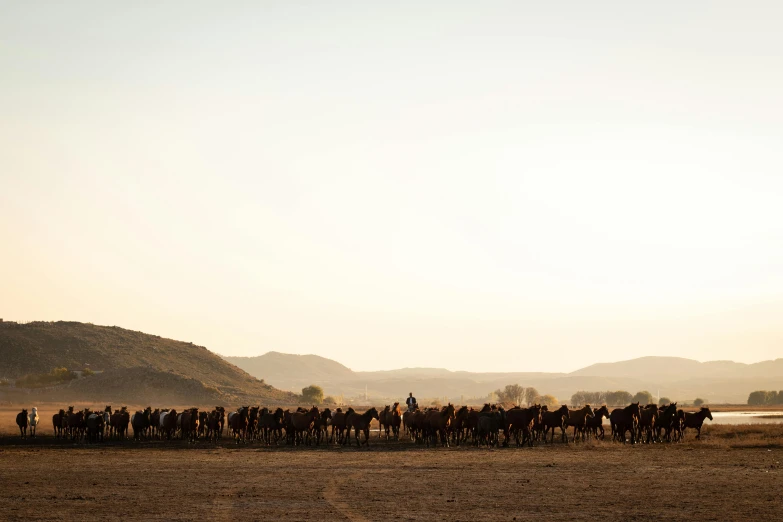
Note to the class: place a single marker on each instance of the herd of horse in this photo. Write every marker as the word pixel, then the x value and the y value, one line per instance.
pixel 430 427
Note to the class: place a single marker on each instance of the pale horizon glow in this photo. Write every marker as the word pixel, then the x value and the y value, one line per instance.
pixel 503 187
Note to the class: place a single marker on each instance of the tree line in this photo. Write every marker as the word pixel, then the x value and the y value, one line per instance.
pixel 763 397
pixel 520 395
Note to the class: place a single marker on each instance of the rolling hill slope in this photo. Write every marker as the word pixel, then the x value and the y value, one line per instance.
pixel 675 377
pixel 131 366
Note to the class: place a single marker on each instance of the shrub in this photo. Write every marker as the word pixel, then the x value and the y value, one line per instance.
pixel 664 401
pixel 4 382
pixel 643 397
pixel 87 372
pixel 698 402
pixel 313 394
pixel 41 380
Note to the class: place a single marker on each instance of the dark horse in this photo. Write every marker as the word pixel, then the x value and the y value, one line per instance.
pixel 57 423
pixel 556 419
pixel 141 423
pixel 625 419
pixel 520 421
pixel 238 422
pixel 23 421
pixel 695 420
pixel 360 423
pixel 595 425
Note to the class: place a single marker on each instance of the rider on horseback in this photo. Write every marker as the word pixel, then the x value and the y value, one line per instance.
pixel 411 402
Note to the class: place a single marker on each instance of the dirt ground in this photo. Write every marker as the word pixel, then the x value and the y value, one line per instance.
pixel 394 481
pixel 733 474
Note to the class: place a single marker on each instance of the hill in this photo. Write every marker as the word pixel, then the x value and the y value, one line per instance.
pixel 130 366
pixel 673 369
pixel 675 377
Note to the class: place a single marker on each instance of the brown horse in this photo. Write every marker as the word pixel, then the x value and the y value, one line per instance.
pixel 489 425
pixel 23 421
pixel 382 421
pixel 359 423
pixel 459 426
pixel 520 421
pixel 57 423
pixel 696 420
pixel 648 416
pixel 438 423
pixel 595 425
pixel 321 426
pixel 556 419
pixel 339 425
pixel 578 419
pixel 678 426
pixel 76 423
pixel 625 419
pixel 213 429
pixel 189 425
pixel 155 422
pixel 222 420
pixel 407 422
pixel 237 423
pixel 271 425
pixel 667 420
pixel 119 422
pixel 302 424
pixel 252 423
pixel 168 424
pixel 395 419
pixel 140 421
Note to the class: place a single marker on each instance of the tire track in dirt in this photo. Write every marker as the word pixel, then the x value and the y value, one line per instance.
pixel 332 496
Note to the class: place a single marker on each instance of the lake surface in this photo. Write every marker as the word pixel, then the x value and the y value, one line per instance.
pixel 741 417
pixel 746 417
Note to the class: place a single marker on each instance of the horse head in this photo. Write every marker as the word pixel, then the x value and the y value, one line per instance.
pixel 706 412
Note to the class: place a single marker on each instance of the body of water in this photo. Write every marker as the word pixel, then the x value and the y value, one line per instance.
pixel 746 417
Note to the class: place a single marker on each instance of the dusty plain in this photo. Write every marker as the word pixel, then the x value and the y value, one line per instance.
pixel 732 474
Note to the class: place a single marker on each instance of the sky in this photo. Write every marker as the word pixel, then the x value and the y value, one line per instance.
pixel 505 186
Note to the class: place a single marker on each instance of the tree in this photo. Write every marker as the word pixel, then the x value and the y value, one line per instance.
pixel 547 400
pixel 531 394
pixel 329 400
pixel 643 397
pixel 762 397
pixel 313 394
pixel 618 398
pixel 512 393
pixel 87 372
pixel 664 401
pixel 698 402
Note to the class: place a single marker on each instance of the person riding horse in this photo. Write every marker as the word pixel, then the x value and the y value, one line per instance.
pixel 411 402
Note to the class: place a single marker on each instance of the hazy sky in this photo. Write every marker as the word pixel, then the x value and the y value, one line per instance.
pixel 484 186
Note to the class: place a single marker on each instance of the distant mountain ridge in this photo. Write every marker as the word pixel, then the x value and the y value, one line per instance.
pixel 132 366
pixel 675 377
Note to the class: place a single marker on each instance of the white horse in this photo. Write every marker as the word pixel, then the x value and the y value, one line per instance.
pixel 33 416
pixel 107 421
